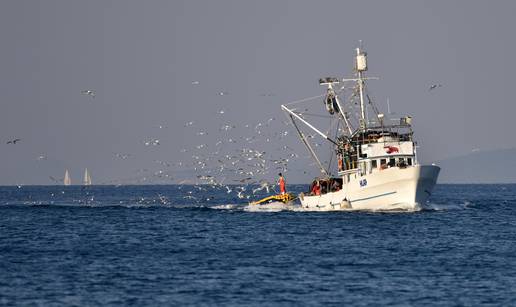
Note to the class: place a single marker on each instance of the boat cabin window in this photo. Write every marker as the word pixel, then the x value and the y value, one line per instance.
pixel 383 161
pixel 374 164
pixel 409 161
pixel 392 162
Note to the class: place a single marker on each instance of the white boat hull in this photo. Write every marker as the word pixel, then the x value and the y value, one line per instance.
pixel 386 190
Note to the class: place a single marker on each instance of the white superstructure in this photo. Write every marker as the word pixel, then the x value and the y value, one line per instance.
pixel 377 161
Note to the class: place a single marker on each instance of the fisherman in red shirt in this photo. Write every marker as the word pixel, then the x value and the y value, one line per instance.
pixel 281 183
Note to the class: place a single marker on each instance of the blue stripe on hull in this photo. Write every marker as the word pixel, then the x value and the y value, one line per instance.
pixel 385 194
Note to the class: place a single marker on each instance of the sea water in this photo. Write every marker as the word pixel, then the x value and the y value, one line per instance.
pixel 197 245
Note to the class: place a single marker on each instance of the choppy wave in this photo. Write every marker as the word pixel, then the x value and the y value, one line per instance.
pixel 431 206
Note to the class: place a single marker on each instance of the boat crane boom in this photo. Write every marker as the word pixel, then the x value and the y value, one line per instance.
pixel 307 144
pixel 308 124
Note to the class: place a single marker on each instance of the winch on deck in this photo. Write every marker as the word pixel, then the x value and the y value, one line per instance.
pixel 284 198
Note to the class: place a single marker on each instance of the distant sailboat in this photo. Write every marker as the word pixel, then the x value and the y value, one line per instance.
pixel 87 177
pixel 67 180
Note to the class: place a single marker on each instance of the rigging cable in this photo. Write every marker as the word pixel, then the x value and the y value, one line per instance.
pixel 307 144
pixel 305 99
pixel 332 151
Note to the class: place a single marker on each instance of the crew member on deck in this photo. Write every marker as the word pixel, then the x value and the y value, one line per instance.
pixel 281 183
pixel 335 186
pixel 316 189
pixel 341 167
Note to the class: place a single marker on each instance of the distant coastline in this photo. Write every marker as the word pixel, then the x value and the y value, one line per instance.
pixel 480 167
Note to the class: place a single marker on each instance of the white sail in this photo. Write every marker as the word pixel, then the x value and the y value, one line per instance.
pixel 67 180
pixel 87 177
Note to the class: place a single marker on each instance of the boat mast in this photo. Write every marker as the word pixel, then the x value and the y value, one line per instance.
pixel 361 66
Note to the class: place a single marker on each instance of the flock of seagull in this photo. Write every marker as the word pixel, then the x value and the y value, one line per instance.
pixel 229 158
pixel 234 161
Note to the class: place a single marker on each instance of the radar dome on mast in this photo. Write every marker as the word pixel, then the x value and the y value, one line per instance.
pixel 361 60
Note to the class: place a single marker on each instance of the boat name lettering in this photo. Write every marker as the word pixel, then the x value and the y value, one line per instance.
pixel 363 182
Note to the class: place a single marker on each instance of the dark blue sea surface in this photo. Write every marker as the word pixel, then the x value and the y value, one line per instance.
pixel 194 245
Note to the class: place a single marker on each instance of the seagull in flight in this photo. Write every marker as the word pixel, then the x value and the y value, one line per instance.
pixel 90 93
pixel 153 142
pixel 13 141
pixel 434 86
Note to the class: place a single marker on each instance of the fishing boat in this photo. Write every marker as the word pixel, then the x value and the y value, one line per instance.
pixel 67 180
pixel 87 177
pixel 375 164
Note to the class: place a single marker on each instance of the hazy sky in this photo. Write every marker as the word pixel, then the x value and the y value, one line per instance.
pixel 142 56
